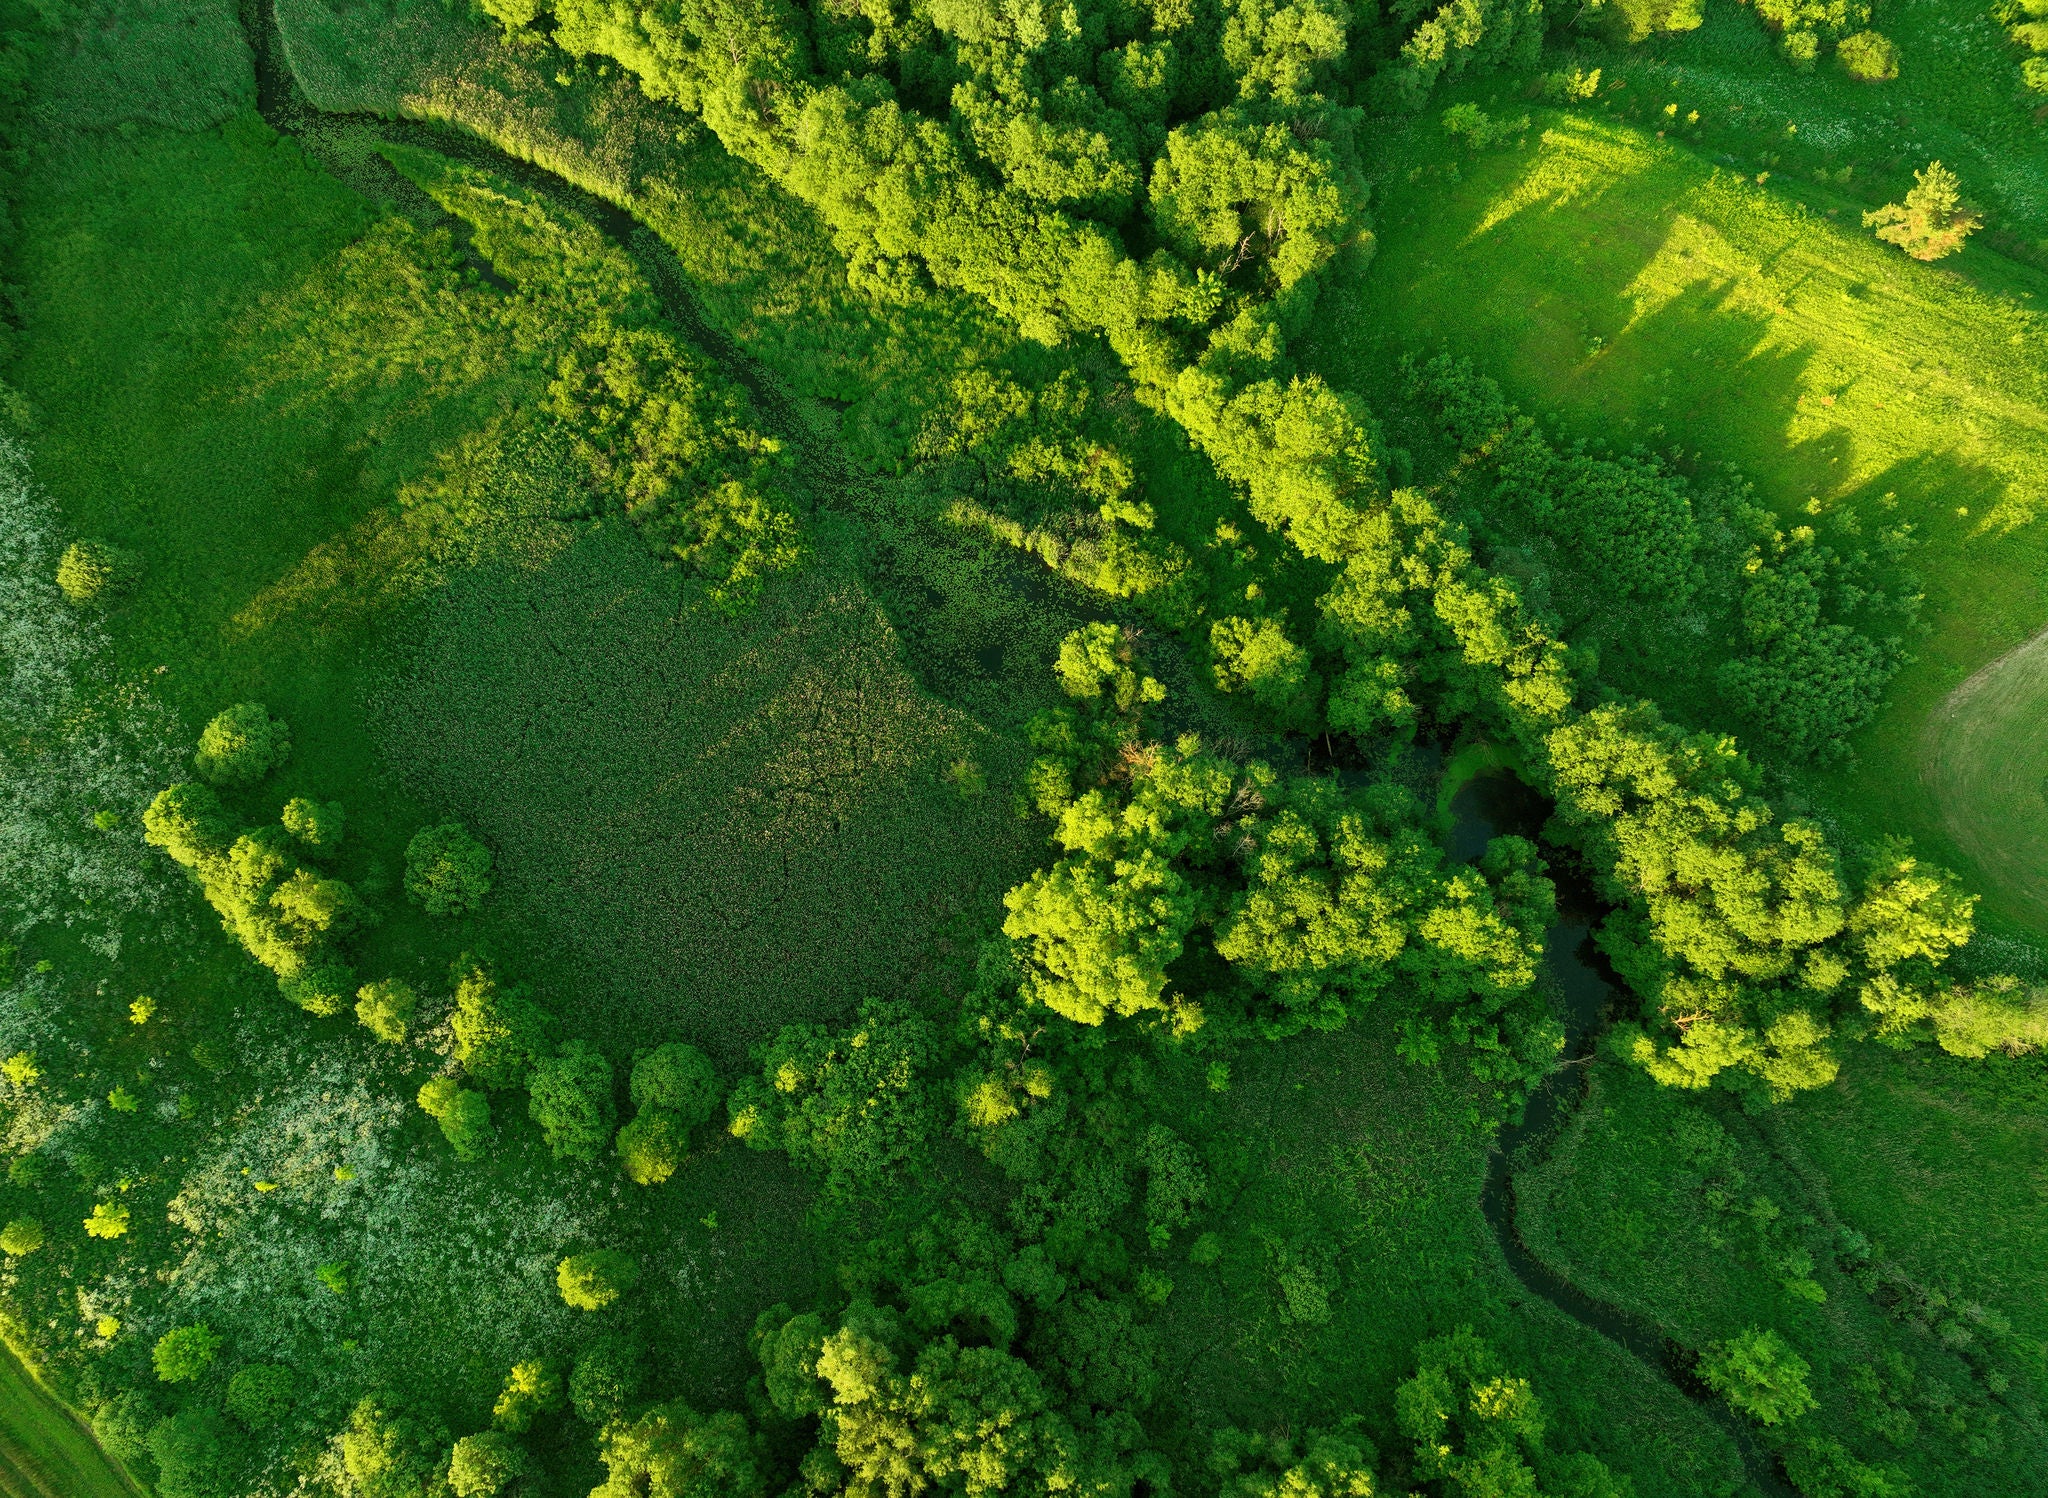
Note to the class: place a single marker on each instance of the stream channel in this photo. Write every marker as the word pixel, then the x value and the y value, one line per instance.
pixel 1493 803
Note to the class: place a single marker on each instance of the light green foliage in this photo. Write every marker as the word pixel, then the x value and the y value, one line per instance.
pixel 1805 25
pixel 571 1099
pixel 1932 223
pixel 447 872
pixel 499 1030
pixel 483 1465
pixel 1869 57
pixel 852 1106
pixel 678 1079
pixel 671 1451
pixel 592 1281
pixel 386 1452
pixel 606 1379
pixel 93 572
pixel 1633 21
pixel 184 1353
pixel 533 1388
pixel 316 824
pixel 1758 1372
pixel 1471 124
pixel 261 1395
pixel 652 1146
pixel 386 1008
pixel 107 1220
pixel 1256 657
pixel 1320 1463
pixel 242 745
pixel 464 1114
pixel 22 1235
pixel 1478 1427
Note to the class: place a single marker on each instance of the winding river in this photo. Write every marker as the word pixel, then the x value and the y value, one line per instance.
pixel 1491 802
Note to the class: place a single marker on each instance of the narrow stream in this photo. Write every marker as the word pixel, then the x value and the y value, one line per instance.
pixel 1490 804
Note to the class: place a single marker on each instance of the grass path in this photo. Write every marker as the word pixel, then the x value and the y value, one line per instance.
pixel 44 1451
pixel 1985 764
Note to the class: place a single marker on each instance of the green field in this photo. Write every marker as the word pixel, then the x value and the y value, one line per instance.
pixel 1626 289
pixel 44 1451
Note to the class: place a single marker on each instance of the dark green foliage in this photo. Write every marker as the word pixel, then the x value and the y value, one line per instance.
pixel 197 1454
pixel 94 572
pixel 499 1030
pixel 183 1354
pixel 242 745
pixel 447 872
pixel 787 1347
pixel 571 1100
pixel 606 1379
pixel 1335 1463
pixel 123 1425
pixel 678 1079
pixel 261 1395
pixel 595 1280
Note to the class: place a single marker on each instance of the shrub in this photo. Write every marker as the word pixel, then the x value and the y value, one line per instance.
pixel 1759 1374
pixel 592 1281
pixel 463 1113
pixel 606 1379
pixel 242 745
pixel 316 824
pixel 94 572
pixel 447 871
pixel 108 1220
pixel 183 1354
pixel 260 1395
pixel 653 1146
pixel 677 1079
pixel 482 1464
pixel 386 1008
pixel 1869 57
pixel 571 1099
pixel 24 1235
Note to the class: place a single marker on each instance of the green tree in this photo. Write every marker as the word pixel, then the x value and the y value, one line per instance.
pixel 184 1353
pixel 671 1451
pixel 1932 222
pixel 652 1146
pixel 197 1454
pixel 606 1379
pixel 386 1452
pixel 571 1099
pixel 1758 1373
pixel 533 1388
pixel 94 572
pixel 261 1395
pixel 386 1008
pixel 484 1464
pixel 677 1079
pixel 24 1235
pixel 316 824
pixel 242 745
pixel 447 872
pixel 463 1113
pixel 592 1281
pixel 499 1030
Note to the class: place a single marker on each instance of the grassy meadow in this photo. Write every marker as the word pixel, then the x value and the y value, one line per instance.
pixel 1631 291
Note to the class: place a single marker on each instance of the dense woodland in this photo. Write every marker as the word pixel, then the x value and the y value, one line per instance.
pixel 759 748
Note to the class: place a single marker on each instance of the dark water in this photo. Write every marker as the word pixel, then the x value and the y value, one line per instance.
pixel 1497 804
pixel 1490 805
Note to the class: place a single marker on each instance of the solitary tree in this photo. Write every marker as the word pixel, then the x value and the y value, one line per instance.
pixel 316 824
pixel 570 1097
pixel 386 1008
pixel 1758 1372
pixel 94 572
pixel 185 1353
pixel 24 1235
pixel 1932 222
pixel 242 745
pixel 463 1113
pixel 447 871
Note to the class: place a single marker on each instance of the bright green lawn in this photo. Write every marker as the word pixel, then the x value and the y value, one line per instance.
pixel 1629 290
